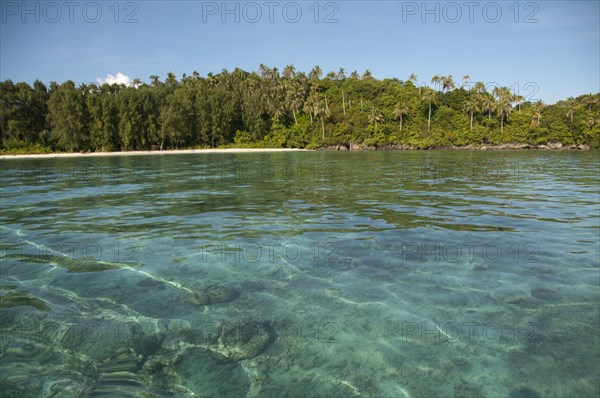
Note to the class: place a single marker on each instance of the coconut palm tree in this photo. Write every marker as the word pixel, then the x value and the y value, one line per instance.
pixel 479 88
pixel 536 115
pixel 447 83
pixel 472 106
pixel 572 106
pixel 289 72
pixel 322 111
pixel 400 110
pixel 466 80
pixel 430 97
pixel 341 75
pixel 375 118
pixel 315 73
pixel 154 80
pixel 504 105
pixel 413 78
pixel 436 80
pixel 171 79
pixel 264 71
pixel 488 104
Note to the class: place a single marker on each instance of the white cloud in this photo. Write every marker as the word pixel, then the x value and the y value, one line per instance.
pixel 120 78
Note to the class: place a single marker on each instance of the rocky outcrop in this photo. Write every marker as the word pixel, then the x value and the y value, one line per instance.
pixel 508 146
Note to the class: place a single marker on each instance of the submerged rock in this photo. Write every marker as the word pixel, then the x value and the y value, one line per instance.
pixel 240 341
pixel 545 294
pixel 208 374
pixel 212 294
pixel 340 264
pixel 151 283
pixel 74 264
pixel 467 390
pixel 22 298
pixel 524 392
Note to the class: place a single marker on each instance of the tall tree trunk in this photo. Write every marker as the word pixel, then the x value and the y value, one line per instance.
pixel 294 113
pixel 323 126
pixel 429 120
pixel 471 120
pixel 343 103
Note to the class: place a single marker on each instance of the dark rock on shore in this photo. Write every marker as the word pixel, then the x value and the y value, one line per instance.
pixel 509 146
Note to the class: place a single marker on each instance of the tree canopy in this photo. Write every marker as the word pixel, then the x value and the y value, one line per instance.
pixel 289 109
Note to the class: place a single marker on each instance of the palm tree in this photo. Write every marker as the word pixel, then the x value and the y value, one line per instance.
pixel 488 104
pixel 536 116
pixel 447 83
pixel 399 111
pixel 430 97
pixel 572 106
pixel 312 103
pixel 375 118
pixel 367 75
pixel 504 105
pixel 137 82
pixel 323 112
pixel 472 106
pixel 479 88
pixel 436 80
pixel 264 71
pixel 354 75
pixel 289 72
pixel 315 73
pixel 519 100
pixel 171 79
pixel 341 75
pixel 413 78
pixel 155 80
pixel 466 80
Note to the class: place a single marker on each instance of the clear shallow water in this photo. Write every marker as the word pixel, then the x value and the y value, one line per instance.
pixel 401 274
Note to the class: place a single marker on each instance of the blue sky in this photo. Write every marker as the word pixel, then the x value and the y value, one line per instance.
pixel 547 50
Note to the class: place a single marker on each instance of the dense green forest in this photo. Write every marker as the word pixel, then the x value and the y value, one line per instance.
pixel 277 109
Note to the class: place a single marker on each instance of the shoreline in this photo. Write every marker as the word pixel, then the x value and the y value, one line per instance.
pixel 141 153
pixel 502 147
pixel 339 147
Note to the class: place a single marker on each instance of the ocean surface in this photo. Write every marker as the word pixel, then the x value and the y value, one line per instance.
pixel 330 274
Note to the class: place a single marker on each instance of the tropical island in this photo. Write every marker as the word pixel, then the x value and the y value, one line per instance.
pixel 269 108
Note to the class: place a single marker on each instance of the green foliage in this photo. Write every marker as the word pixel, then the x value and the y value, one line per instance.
pixel 282 110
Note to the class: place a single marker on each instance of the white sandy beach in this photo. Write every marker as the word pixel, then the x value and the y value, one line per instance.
pixel 134 153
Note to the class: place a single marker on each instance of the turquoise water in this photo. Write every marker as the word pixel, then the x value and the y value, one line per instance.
pixel 400 274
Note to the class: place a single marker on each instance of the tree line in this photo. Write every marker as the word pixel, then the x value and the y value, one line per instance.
pixel 272 108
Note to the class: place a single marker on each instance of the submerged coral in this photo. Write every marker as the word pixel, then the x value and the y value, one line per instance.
pixel 212 294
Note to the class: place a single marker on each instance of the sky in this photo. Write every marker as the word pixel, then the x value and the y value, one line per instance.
pixel 547 50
